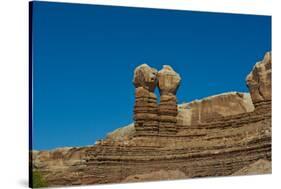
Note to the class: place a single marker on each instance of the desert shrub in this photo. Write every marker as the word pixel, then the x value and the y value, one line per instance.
pixel 38 180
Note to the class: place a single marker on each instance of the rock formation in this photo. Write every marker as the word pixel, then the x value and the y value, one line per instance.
pixel 259 81
pixel 145 109
pixel 227 137
pixel 168 83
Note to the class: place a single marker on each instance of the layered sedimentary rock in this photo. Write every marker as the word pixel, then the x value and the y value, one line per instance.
pixel 168 83
pixel 218 148
pixel 237 141
pixel 145 109
pixel 259 81
pixel 214 107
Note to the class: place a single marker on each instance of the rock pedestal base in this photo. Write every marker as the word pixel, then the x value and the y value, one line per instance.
pixel 145 112
pixel 167 112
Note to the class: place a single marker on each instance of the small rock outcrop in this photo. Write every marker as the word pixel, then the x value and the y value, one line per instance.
pixel 145 109
pixel 259 81
pixel 168 83
pixel 123 133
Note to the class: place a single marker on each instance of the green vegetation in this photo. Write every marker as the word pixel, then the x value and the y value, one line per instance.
pixel 37 180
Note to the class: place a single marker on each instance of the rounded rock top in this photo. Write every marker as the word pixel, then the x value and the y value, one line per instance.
pixel 168 80
pixel 146 77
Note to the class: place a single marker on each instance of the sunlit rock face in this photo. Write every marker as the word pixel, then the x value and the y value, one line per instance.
pixel 168 83
pixel 145 109
pixel 259 80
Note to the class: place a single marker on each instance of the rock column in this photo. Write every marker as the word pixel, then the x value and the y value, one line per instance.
pixel 145 109
pixel 168 83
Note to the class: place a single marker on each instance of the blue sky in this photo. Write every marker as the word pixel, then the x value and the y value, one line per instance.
pixel 84 57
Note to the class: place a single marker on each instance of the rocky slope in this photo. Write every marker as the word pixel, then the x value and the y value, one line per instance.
pixel 226 134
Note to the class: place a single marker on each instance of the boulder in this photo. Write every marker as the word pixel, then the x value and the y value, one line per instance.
pixel 146 77
pixel 168 80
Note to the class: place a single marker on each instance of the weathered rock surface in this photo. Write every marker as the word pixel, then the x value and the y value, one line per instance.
pixel 156 175
pixel 259 167
pixel 168 83
pixel 214 107
pixel 60 165
pixel 259 80
pixel 146 108
pixel 224 141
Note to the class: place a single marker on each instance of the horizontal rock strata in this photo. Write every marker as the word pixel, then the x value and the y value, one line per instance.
pixel 167 111
pixel 214 149
pixel 259 167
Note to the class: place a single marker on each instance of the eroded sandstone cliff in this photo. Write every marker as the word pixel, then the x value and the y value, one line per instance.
pixel 214 107
pixel 226 134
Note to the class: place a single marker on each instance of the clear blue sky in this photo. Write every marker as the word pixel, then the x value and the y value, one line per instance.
pixel 84 57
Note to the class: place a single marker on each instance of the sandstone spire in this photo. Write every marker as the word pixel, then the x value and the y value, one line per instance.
pixel 145 109
pixel 168 83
